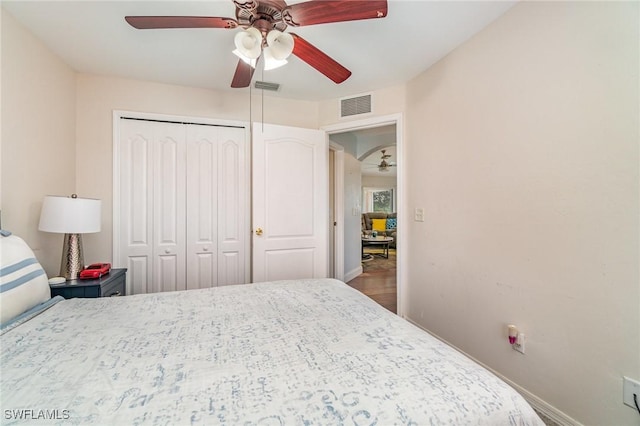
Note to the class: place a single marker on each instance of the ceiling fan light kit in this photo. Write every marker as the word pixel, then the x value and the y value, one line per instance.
pixel 251 62
pixel 270 61
pixel 280 44
pixel 264 23
pixel 249 43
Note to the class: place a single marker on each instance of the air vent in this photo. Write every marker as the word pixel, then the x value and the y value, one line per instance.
pixel 265 85
pixel 355 106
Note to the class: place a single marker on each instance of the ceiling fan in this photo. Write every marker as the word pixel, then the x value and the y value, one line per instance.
pixel 384 164
pixel 264 23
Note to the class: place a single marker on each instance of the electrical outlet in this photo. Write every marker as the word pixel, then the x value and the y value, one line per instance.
pixel 519 344
pixel 629 388
pixel 419 215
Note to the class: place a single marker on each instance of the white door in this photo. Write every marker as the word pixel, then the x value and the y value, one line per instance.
pixel 151 210
pixel 290 186
pixel 169 207
pixel 134 225
pixel 182 205
pixel 202 206
pixel 217 206
pixel 233 207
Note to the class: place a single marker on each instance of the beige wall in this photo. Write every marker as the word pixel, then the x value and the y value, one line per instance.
pixel 379 181
pixel 38 137
pixel 523 150
pixel 98 97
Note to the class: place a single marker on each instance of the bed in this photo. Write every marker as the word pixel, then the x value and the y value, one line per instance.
pixel 308 352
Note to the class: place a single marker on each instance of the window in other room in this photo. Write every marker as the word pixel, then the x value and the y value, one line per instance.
pixel 379 200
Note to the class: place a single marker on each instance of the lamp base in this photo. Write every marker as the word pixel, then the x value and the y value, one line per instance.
pixel 72 257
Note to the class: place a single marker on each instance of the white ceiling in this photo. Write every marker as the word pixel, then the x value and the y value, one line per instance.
pixel 93 37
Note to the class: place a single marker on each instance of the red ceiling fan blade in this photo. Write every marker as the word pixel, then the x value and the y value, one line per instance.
pixel 243 75
pixel 156 22
pixel 326 11
pixel 319 60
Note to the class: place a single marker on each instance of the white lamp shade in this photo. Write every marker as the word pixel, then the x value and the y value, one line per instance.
pixel 249 42
pixel 66 215
pixel 281 44
pixel 270 62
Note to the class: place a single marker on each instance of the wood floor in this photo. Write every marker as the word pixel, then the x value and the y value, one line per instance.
pixel 380 285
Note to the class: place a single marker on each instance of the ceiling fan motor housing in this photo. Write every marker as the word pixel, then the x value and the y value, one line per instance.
pixel 265 15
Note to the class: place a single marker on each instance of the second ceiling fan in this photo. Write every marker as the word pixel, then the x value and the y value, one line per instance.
pixel 384 165
pixel 264 23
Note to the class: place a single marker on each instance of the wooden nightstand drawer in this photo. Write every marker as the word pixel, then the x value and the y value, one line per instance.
pixel 115 289
pixel 112 284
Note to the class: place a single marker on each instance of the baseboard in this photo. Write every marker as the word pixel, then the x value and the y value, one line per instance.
pixel 547 410
pixel 536 403
pixel 352 274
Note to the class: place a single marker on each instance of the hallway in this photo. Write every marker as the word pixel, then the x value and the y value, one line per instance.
pixel 380 285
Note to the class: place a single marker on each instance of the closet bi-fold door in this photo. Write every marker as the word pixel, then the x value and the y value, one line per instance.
pixel 169 208
pixel 181 205
pixel 216 206
pixel 152 205
pixel 233 207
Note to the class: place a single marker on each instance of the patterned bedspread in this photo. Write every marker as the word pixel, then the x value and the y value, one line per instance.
pixel 311 352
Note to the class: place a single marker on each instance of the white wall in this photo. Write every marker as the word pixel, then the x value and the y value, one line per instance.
pixel 523 149
pixel 352 216
pixel 38 136
pixel 99 96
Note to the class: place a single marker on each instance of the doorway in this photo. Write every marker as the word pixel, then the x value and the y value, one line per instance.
pixel 352 198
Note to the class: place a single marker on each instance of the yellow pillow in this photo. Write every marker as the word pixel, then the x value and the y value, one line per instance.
pixel 378 224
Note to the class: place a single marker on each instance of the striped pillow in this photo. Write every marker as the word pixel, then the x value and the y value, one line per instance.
pixel 23 282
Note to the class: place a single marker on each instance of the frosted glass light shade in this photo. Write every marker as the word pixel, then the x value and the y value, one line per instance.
pixel 249 42
pixel 271 63
pixel 248 61
pixel 66 215
pixel 281 44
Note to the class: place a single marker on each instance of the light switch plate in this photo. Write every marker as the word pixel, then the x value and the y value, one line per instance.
pixel 419 215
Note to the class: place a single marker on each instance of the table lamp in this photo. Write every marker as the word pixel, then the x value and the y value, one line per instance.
pixel 71 216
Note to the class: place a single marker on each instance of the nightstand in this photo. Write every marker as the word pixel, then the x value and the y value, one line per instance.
pixel 109 285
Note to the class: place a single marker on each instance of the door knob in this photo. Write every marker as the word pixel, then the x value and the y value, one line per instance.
pixel 259 231
pixel 206 248
pixel 167 251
